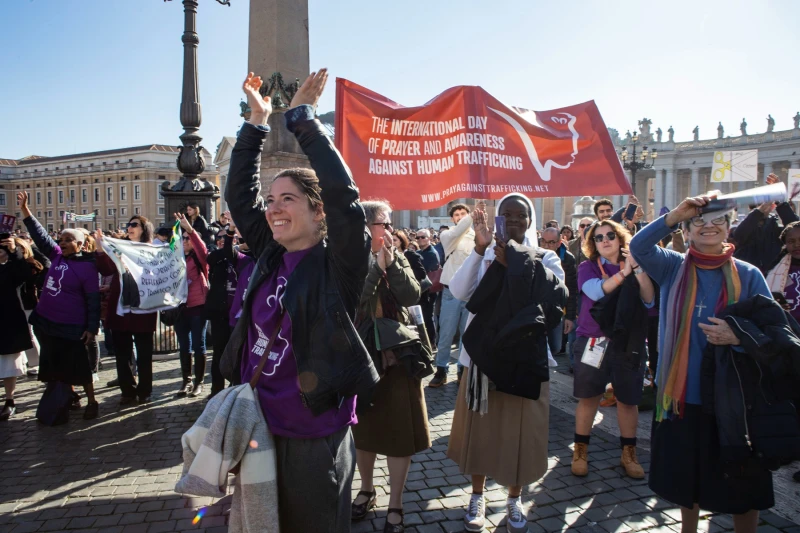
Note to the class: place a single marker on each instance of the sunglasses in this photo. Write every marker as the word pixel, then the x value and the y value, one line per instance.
pixel 610 236
pixel 581 226
pixel 698 222
pixel 184 238
pixel 551 242
pixel 386 225
pixel 421 238
pixel 132 225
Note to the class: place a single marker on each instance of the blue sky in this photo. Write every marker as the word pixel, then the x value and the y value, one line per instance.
pixel 84 75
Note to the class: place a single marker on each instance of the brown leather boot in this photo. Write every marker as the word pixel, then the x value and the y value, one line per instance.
pixel 629 462
pixel 580 459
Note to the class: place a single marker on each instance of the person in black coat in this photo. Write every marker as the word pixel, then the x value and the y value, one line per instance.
pixel 200 224
pixel 14 271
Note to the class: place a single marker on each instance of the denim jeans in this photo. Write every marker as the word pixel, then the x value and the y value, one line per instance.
pixel 555 338
pixel 452 318
pixel 191 332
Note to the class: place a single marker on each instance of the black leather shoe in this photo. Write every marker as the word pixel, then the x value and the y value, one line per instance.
pixel 439 379
pixel 92 410
pixel 360 510
pixel 394 528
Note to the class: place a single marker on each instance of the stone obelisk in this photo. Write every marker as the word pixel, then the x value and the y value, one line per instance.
pixel 278 52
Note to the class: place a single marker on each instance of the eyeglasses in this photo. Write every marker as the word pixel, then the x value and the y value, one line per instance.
pixel 133 225
pixel 581 226
pixel 551 242
pixel 698 222
pixel 386 225
pixel 610 236
pixel 421 238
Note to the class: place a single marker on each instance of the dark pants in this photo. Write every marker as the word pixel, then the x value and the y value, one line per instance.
pixel 108 335
pixel 652 344
pixel 123 349
pixel 191 332
pixel 426 302
pixel 221 333
pixel 315 474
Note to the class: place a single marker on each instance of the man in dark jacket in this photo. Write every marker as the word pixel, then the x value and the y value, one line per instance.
pixel 758 235
pixel 551 240
pixel 431 261
pixel 222 280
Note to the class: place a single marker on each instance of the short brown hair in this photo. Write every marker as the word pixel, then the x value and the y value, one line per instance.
pixel 403 238
pixel 602 201
pixel 589 246
pixel 457 207
pixel 308 183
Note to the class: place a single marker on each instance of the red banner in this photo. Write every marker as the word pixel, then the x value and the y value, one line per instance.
pixel 466 144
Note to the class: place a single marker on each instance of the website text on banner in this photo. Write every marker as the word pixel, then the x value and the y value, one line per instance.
pixel 466 144
pixel 153 277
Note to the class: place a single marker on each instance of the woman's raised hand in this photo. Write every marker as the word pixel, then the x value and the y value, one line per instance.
pixel 483 236
pixel 22 198
pixel 260 107
pixel 687 209
pixel 311 90
pixel 185 225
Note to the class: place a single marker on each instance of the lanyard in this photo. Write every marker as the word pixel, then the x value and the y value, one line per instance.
pixel 603 270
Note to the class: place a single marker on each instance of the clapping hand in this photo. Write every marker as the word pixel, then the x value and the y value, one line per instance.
pixel 311 90
pixel 483 237
pixel 386 253
pixel 260 107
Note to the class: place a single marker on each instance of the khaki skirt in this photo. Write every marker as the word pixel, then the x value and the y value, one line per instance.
pixel 508 444
pixel 396 423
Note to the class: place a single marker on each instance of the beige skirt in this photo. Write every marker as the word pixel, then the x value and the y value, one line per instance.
pixel 508 444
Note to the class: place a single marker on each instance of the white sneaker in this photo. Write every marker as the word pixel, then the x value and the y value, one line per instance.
pixel 516 522
pixel 476 513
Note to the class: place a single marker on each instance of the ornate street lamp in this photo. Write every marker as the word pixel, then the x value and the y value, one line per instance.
pixel 634 164
pixel 190 159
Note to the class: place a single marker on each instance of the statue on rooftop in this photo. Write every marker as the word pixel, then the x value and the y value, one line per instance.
pixel 696 132
pixel 671 133
pixel 770 123
pixel 720 131
pixel 743 127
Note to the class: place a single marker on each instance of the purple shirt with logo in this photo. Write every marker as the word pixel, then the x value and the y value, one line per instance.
pixel 587 327
pixel 62 299
pixel 792 290
pixel 278 386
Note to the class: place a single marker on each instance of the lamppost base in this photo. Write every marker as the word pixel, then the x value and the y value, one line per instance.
pixel 176 200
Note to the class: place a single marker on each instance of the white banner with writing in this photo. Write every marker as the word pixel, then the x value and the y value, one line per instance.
pixel 738 165
pixel 157 274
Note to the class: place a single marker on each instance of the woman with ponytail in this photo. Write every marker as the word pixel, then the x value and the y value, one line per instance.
pixel 686 464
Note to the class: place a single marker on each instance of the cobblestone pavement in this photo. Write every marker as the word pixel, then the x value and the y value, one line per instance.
pixel 117 474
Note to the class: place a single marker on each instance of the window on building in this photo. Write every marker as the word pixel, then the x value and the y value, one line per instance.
pixel 110 194
pixel 160 210
pixel 38 214
pixel 72 196
pixel 84 195
pixel 49 197
pixel 83 212
pixel 137 192
pixel 111 212
pixel 2 198
pixel 96 194
pixel 123 192
pixel 137 210
pixel 49 214
pixel 61 197
pixel 38 197
pixel 123 211
pixel 49 227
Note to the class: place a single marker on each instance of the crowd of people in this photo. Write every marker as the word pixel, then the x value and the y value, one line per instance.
pixel 352 314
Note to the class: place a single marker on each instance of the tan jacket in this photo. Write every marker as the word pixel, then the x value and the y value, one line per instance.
pixel 458 243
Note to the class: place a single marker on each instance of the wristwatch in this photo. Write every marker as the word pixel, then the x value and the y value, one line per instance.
pixel 638 270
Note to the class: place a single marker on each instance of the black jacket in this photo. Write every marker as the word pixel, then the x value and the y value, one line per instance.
pixel 622 317
pixel 758 236
pixel 16 337
pixel 514 309
pixel 218 264
pixel 570 267
pixel 751 390
pixel 430 258
pixel 323 292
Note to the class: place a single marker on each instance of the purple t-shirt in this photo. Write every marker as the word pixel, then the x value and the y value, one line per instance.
pixel 587 327
pixel 792 290
pixel 278 386
pixel 244 269
pixel 63 293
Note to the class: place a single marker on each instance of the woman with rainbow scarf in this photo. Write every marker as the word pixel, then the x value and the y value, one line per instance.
pixel 686 468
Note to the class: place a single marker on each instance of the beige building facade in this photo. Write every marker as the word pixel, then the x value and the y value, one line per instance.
pixel 116 184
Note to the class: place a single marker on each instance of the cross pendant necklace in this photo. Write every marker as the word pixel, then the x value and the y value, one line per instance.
pixel 700 308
